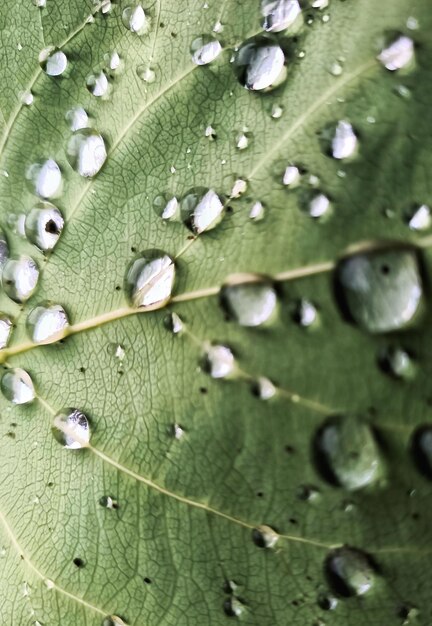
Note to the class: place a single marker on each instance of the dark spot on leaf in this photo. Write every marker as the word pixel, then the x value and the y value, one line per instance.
pixel 78 562
pixel 147 580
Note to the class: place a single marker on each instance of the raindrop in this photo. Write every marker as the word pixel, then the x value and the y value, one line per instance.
pixel 71 429
pixel 251 302
pixel 5 330
pixel 344 142
pixel 264 537
pixel 174 323
pixel 242 141
pixel 108 502
pixel 327 602
pixel 233 607
pixel 346 453
pixel 167 207
pixel 47 323
pixel 219 361
pixel 279 14
pixel 116 350
pixel 45 178
pixel 77 118
pixel 150 278
pixel 113 60
pixel 53 62
pixel 146 73
pixel 205 49
pixel 27 98
pixel 336 68
pixel 44 225
pixel 398 363
pixel 291 176
pixel 421 448
pixel 421 218
pixel 349 571
pixel 381 291
pixel 202 209
pixel 4 250
pixel 305 313
pixel 98 84
pixel 318 205
pixel 238 188
pixel 39 3
pixel 264 388
pixel 113 620
pixel 17 386
pixel 210 133
pixel 20 277
pixel 177 431
pixel 135 19
pixel 276 111
pixel 257 211
pixel 260 65
pixel 399 54
pixel 86 152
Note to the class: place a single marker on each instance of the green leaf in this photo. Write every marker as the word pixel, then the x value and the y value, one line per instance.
pixel 269 461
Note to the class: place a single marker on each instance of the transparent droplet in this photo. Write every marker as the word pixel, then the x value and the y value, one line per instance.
pixel 264 537
pixel 305 313
pixel 421 218
pixel 257 211
pixel 135 19
pixel 150 278
pixel 202 209
pixel 327 602
pixel 113 60
pixel 108 502
pixel 234 607
pixel 276 111
pixel 320 4
pixel 251 303
pixel 17 386
pixel 4 251
pixel 264 388
pixel 106 7
pixel 71 429
pixel 53 62
pixel 77 118
pixel 238 188
pixel 344 143
pixel 347 453
pixel 39 3
pixel 279 14
pixel 308 493
pixel 86 152
pixel 44 225
pixel 349 571
pixel 382 290
pixel 46 178
pixel 219 361
pixel 20 277
pixel 177 431
pixel 47 323
pixel 336 68
pixel 210 132
pixel 5 330
pixel 398 363
pixel 98 84
pixel 174 323
pixel 146 73
pixel 167 207
pixel 291 176
pixel 399 54
pixel 260 65
pixel 27 98
pixel 318 205
pixel 242 141
pixel 205 49
pixel 421 448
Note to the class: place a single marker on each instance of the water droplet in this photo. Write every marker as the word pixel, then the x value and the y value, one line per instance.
pixel 327 602
pixel 260 65
pixel 174 323
pixel 45 178
pixel 399 54
pixel 421 449
pixel 210 132
pixel 146 73
pixel 219 361
pixel 264 537
pixel 242 141
pixel 44 225
pixel 5 330
pixel 113 60
pixel 234 607
pixel 412 23
pixel 17 386
pixel 251 302
pixel 177 431
pixel 150 278
pixel 291 176
pixel 47 323
pixel 108 502
pixel 308 493
pixel 336 68
pixel 167 207
pixel 49 584
pixel 257 211
pixel 276 111
pixel 305 313
pixel 116 350
pixel 264 388
pixel 135 19
pixel 421 218
pixel 344 143
pixel 279 14
pixel 113 620
pixel 86 152
pixel 347 453
pixel 202 209
pixel 318 205
pixel 106 6
pixel 77 118
pixel 381 291
pixel 27 98
pixel 238 188
pixel 205 49
pixel 4 251
pixel 20 277
pixel 403 91
pixel 218 27
pixel 97 84
pixel 71 429
pixel 320 4
pixel 398 363
pixel 53 62
pixel 349 571
pixel 39 3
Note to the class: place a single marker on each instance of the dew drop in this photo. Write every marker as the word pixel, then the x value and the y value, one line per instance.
pixel 242 141
pixel 71 429
pixel 238 188
pixel 108 502
pixel 344 143
pixel 17 386
pixel 77 118
pixel 86 152
pixel 318 206
pixel 308 493
pixel 149 279
pixel 135 19
pixel 279 14
pixel 167 207
pixel 399 54
pixel 264 537
pixel 233 607
pixel 45 178
pixel 346 453
pixel 44 225
pixel 202 209
pixel 251 303
pixel 219 361
pixel 5 330
pixel 113 620
pixel 47 323
pixel 291 176
pixel 20 277
pixel 53 62
pixel 336 68
pixel 97 84
pixel 381 291
pixel 421 448
pixel 257 211
pixel 276 111
pixel 264 388
pixel 146 73
pixel 4 251
pixel 39 3
pixel 327 602
pixel 260 65
pixel 27 98
pixel 205 49
pixel 174 323
pixel 398 363
pixel 113 60
pixel 349 571
pixel 421 218
pixel 305 313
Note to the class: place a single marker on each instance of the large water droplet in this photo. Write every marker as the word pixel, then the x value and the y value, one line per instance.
pixel 77 118
pixel 260 65
pixel 205 49
pixel 5 330
pixel 250 300
pixel 45 178
pixel 346 453
pixel 53 62
pixel 44 225
pixel 86 152
pixel 202 209
pixel 150 278
pixel 219 361
pixel 344 142
pixel 399 54
pixel 382 290
pixel 17 386
pixel 279 14
pixel 47 323
pixel 349 571
pixel 98 84
pixel 135 19
pixel 71 429
pixel 20 277
pixel 264 537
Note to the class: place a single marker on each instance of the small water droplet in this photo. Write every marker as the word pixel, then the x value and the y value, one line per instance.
pixel 264 388
pixel 210 132
pixel 27 98
pixel 167 207
pixel 242 141
pixel 219 361
pixel 336 68
pixel 45 178
pixel 276 111
pixel 86 152
pixel 97 84
pixel 291 176
pixel 174 323
pixel 305 313
pixel 381 291
pixel 113 620
pixel 403 91
pixel 308 493
pixel 264 537
pixel 135 19
pixel 347 453
pixel 71 429
pixel 251 302
pixel 17 386
pixel 20 277
pixel 108 502
pixel 327 602
pixel 205 49
pixel 47 322
pixel 150 278
pixel 39 3
pixel 112 60
pixel 4 251
pixel 234 607
pixel 399 54
pixel 320 4
pixel 177 431
pixel 77 118
pixel 421 218
pixel 44 225
pixel 49 584
pixel 260 65
pixel 318 205
pixel 202 209
pixel 238 188
pixel 398 363
pixel 412 23
pixel 279 14
pixel 257 211
pixel 349 571
pixel 344 143
pixel 5 330
pixel 421 449
pixel 53 62
pixel 146 73
pixel 116 350
pixel 218 27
